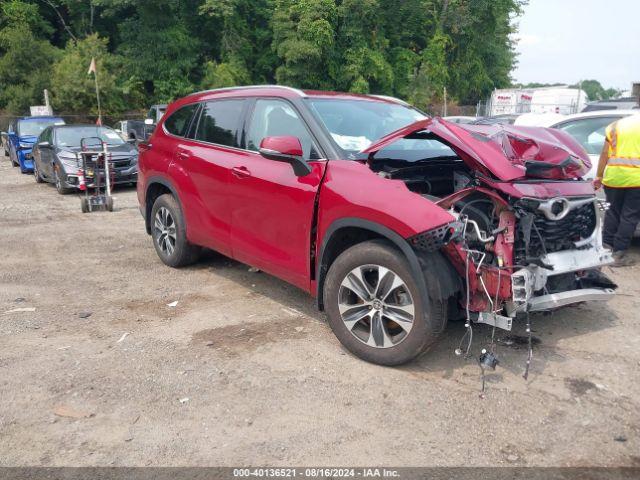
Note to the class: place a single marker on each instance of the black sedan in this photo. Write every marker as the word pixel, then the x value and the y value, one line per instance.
pixel 57 161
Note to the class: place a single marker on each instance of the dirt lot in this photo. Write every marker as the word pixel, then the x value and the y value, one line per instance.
pixel 245 371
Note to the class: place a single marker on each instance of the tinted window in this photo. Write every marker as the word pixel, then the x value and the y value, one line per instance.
pixel 220 121
pixel 178 122
pixel 273 118
pixel 589 132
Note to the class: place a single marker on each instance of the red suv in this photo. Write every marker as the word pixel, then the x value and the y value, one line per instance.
pixel 396 222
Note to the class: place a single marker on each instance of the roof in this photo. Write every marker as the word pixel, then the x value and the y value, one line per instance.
pixel 41 117
pixel 599 113
pixel 289 92
pixel 66 125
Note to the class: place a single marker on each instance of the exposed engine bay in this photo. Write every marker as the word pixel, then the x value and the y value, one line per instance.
pixel 515 255
pixel 525 234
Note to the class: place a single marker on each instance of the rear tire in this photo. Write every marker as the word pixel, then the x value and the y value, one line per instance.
pixel 395 323
pixel 84 205
pixel 109 204
pixel 169 233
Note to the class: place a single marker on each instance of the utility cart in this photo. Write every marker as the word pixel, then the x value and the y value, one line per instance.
pixel 95 173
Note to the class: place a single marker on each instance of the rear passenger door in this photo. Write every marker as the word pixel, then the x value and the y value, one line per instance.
pixel 206 155
pixel 272 209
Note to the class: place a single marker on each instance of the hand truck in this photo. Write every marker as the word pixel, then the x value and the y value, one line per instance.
pixel 95 172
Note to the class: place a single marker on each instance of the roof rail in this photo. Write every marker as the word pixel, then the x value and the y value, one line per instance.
pixel 249 87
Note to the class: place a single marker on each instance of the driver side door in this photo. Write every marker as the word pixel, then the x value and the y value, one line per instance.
pixel 272 210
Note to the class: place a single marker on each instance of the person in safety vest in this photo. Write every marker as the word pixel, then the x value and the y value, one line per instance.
pixel 619 172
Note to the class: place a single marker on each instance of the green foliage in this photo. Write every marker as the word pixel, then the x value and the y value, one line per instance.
pixel 25 63
pixel 303 37
pixel 595 91
pixel 74 89
pixel 157 50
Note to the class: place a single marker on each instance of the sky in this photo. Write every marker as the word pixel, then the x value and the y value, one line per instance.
pixel 564 41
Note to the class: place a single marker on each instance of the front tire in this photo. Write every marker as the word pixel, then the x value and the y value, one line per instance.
pixel 375 306
pixel 62 190
pixel 169 233
pixel 36 173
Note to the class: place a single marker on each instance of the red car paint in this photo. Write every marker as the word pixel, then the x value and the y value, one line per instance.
pixel 501 150
pixel 258 211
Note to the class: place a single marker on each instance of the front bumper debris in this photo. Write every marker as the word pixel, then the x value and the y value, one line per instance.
pixel 529 280
pixel 556 300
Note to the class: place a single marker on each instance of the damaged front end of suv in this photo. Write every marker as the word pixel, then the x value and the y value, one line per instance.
pixel 525 229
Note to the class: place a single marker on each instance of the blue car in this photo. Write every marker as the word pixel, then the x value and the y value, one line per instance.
pixel 22 135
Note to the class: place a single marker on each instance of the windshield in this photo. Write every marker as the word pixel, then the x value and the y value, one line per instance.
pixel 356 124
pixel 27 128
pixel 71 136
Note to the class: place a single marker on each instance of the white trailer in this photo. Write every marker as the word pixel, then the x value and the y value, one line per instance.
pixel 560 100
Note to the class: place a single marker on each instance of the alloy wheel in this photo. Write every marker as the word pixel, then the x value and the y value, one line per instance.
pixel 376 306
pixel 164 227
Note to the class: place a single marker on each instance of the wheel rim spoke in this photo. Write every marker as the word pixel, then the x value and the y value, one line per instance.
pixel 355 315
pixel 378 335
pixel 387 283
pixel 403 320
pixel 357 284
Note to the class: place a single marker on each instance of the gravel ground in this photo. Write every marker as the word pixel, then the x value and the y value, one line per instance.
pixel 244 370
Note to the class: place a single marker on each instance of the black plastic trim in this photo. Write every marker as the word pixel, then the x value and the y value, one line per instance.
pixel 381 230
pixel 162 181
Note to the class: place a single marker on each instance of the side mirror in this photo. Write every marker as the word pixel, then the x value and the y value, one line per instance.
pixel 285 149
pixel 44 144
pixel 148 121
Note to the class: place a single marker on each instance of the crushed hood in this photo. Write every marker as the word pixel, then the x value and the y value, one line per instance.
pixel 506 152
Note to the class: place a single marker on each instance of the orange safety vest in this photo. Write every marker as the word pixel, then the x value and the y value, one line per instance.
pixel 623 166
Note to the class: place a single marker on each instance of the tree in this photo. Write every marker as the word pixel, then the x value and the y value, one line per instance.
pixel 595 90
pixel 303 37
pixel 25 64
pixel 73 90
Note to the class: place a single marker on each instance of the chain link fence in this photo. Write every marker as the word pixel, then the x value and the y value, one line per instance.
pixel 70 118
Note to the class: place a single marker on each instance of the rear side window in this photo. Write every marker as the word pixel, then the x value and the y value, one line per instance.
pixel 178 122
pixel 220 121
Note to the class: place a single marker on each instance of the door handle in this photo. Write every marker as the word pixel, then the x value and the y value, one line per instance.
pixel 241 172
pixel 183 155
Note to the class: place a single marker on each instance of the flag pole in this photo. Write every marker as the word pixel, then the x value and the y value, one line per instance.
pixel 95 76
pixel 93 68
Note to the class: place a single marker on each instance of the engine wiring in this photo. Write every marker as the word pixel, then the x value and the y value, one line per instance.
pixel 488 357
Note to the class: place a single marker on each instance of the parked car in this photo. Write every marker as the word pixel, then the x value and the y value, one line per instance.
pixel 627 103
pixel 394 221
pixel 461 119
pixel 506 119
pixel 138 130
pixel 21 135
pixel 56 158
pixel 588 129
